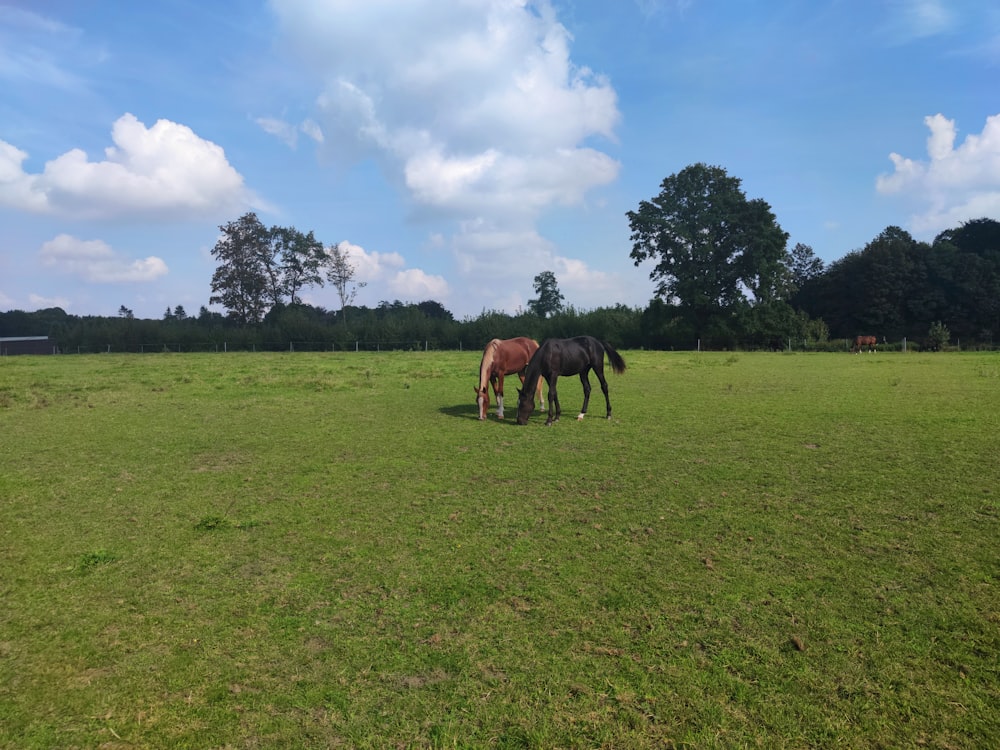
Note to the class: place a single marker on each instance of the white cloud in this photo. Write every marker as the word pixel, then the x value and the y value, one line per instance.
pixel 475 107
pixel 477 111
pixel 165 171
pixel 39 51
pixel 413 284
pixel 312 129
pixel 288 133
pixel 40 302
pixel 377 275
pixel 507 186
pixel 371 266
pixel 954 184
pixel 17 188
pixel 95 261
pixel 498 267
pixel 918 19
pixel 435 178
pixel 283 131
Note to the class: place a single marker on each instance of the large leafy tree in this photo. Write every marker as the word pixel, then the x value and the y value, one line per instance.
pixel 549 300
pixel 260 268
pixel 714 251
pixel 882 290
pixel 297 260
pixel 241 282
pixel 965 265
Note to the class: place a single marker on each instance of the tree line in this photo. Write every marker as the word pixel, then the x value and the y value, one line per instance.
pixel 723 274
pixel 300 327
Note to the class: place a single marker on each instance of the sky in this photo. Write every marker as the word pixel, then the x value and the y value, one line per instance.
pixel 455 149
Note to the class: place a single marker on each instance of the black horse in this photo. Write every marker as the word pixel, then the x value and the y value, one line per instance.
pixel 555 357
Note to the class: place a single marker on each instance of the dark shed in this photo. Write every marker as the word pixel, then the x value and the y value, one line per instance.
pixel 27 345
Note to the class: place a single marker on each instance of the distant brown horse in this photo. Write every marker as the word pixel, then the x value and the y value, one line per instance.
pixel 503 357
pixel 860 342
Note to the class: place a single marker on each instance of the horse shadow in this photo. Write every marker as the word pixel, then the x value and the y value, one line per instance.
pixel 469 411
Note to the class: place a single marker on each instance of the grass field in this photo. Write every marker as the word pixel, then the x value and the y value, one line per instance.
pixel 330 550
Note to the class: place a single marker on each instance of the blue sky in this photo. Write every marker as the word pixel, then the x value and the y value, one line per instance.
pixel 457 148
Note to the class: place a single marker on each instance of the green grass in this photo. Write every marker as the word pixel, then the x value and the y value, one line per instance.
pixel 330 550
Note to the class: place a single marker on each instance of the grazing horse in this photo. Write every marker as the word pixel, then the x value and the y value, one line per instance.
pixel 503 357
pixel 860 342
pixel 555 357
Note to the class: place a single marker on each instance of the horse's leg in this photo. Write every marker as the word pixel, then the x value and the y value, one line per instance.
pixel 498 391
pixel 585 382
pixel 553 402
pixel 541 405
pixel 604 387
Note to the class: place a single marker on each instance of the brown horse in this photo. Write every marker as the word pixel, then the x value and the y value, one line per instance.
pixel 860 342
pixel 503 357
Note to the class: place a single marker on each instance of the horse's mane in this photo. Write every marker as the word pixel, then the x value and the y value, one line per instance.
pixel 489 353
pixel 533 371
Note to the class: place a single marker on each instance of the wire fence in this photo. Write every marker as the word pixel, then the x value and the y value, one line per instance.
pixel 360 345
pixel 265 346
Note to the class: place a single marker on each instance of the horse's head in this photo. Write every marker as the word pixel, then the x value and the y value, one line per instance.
pixel 525 405
pixel 482 401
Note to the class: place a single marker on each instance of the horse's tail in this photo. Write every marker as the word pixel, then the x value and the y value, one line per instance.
pixel 617 363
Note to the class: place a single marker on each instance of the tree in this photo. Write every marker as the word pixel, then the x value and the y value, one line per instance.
pixel 938 336
pixel 208 318
pixel 549 300
pixel 340 272
pixel 240 283
pixel 965 265
pixel 714 251
pixel 296 259
pixel 803 265
pixel 884 289
pixel 434 310
pixel 264 267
